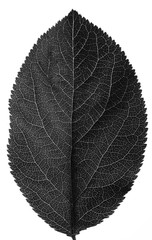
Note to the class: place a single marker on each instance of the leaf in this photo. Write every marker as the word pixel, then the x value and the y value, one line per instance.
pixel 78 126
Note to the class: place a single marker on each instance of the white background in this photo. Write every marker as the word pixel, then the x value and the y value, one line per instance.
pixel 130 24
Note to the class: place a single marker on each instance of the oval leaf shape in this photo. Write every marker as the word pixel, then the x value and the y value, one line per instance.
pixel 78 126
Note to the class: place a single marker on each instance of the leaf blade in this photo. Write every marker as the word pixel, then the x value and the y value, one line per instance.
pixel 78 126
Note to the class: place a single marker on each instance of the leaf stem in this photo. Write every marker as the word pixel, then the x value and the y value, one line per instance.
pixel 73 237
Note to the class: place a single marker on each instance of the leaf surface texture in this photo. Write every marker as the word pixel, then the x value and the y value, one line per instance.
pixel 78 126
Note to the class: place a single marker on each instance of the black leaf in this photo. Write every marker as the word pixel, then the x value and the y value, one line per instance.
pixel 78 126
